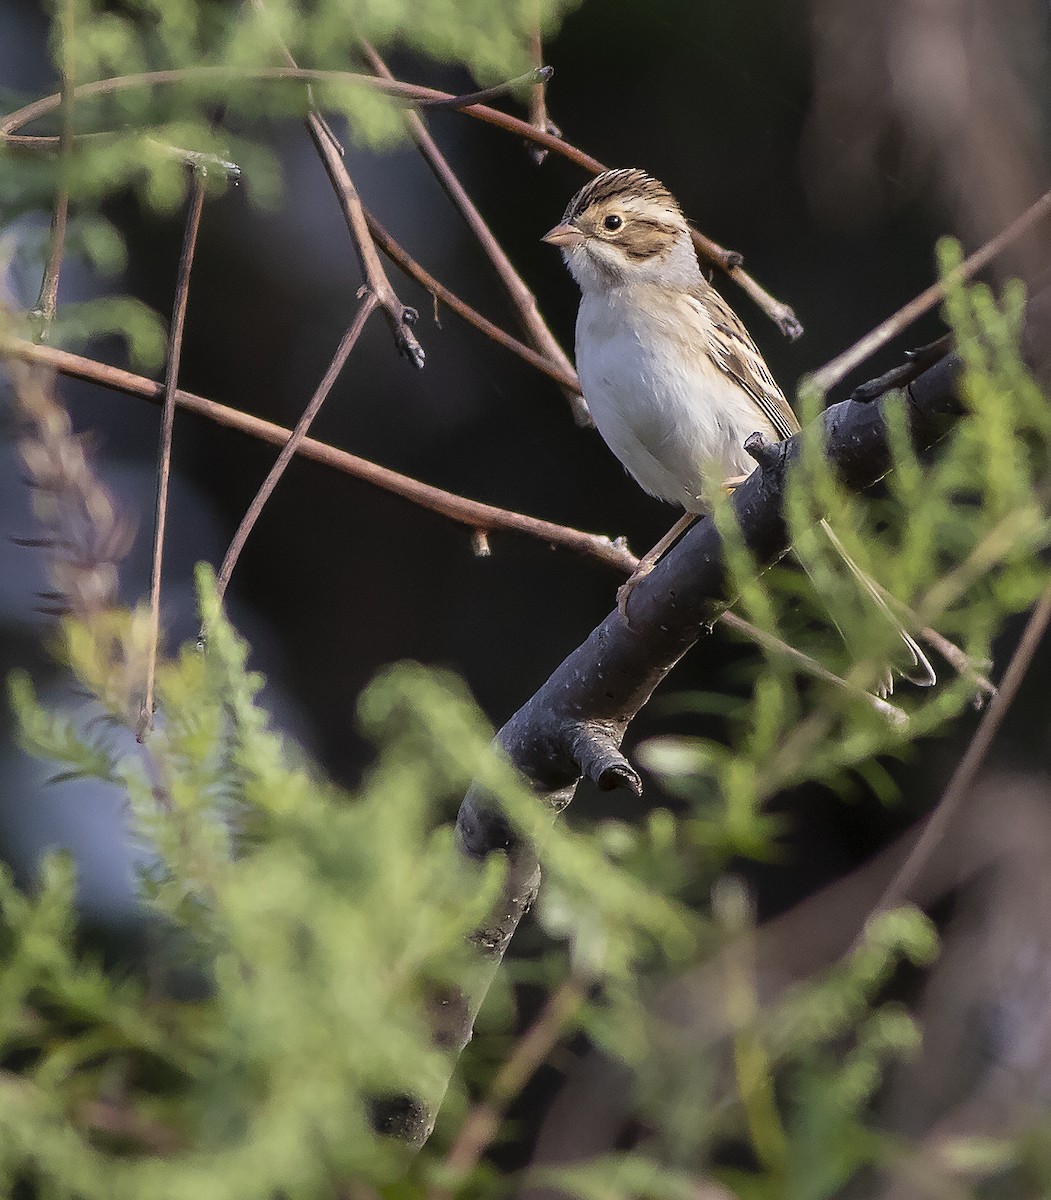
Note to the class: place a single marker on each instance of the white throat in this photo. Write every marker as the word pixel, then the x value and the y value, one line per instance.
pixel 599 267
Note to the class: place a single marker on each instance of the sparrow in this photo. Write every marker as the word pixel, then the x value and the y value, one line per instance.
pixel 673 380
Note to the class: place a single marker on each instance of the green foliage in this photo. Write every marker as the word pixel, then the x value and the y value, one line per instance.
pixel 323 926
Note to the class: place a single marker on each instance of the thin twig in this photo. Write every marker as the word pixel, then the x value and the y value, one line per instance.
pixel 832 373
pixel 521 297
pixel 537 77
pixel 968 767
pixel 171 379
pixel 529 1054
pixel 538 114
pixel 726 260
pixel 291 447
pixel 960 661
pixel 400 317
pixel 47 301
pixel 397 254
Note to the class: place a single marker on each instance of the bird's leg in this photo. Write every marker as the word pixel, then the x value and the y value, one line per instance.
pixel 734 481
pixel 650 560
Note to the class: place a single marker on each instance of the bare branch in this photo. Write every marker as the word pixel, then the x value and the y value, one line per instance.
pixel 811 666
pixel 470 513
pixel 537 77
pixel 960 662
pixel 964 775
pixel 397 254
pixel 47 301
pixel 538 116
pixel 400 317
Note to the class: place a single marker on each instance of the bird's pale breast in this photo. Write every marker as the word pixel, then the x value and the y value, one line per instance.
pixel 666 411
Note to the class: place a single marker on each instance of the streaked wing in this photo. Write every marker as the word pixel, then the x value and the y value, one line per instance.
pixel 736 355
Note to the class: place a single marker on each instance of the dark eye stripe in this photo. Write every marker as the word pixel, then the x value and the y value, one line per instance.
pixel 646 238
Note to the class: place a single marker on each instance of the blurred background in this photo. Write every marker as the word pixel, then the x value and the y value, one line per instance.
pixel 831 142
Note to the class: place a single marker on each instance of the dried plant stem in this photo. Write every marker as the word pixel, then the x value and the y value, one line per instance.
pixel 810 665
pixel 964 775
pixel 537 77
pixel 83 530
pixel 528 1056
pixel 832 373
pixel 520 295
pixel 398 255
pixel 47 300
pixel 960 661
pixel 171 379
pixel 726 260
pixel 292 445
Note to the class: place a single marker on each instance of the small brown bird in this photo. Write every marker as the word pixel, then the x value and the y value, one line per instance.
pixel 673 380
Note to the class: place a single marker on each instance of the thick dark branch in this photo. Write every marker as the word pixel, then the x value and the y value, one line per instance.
pixel 574 725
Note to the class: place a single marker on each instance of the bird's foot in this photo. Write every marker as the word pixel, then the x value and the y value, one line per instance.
pixel 648 561
pixel 734 481
pixel 645 566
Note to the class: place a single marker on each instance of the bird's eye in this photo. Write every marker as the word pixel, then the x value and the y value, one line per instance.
pixel 613 222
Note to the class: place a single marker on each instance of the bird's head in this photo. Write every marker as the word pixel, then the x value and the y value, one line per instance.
pixel 625 227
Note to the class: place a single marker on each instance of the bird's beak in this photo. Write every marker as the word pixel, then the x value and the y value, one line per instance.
pixel 565 235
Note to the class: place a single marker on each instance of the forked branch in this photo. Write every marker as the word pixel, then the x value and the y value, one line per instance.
pixel 295 440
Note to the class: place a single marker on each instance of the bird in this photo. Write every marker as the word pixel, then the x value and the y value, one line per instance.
pixel 672 378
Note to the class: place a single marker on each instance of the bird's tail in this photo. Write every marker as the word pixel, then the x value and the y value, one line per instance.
pixel 921 673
